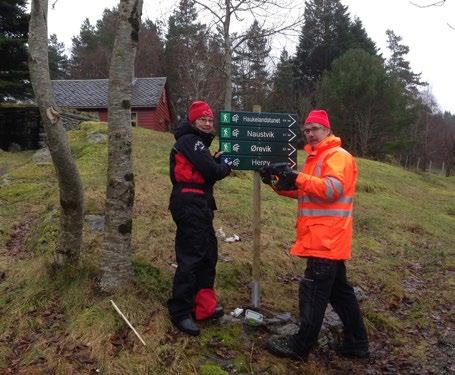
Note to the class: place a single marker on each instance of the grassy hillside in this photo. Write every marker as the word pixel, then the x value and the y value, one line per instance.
pixel 403 259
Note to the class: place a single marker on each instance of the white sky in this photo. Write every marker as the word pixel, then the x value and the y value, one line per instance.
pixel 425 31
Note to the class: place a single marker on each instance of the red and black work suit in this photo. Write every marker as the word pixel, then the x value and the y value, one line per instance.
pixel 193 172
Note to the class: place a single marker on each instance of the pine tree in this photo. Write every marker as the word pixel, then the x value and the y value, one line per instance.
pixel 416 108
pixel 150 51
pixel 399 67
pixel 58 61
pixel 363 102
pixel 251 79
pixel 327 33
pixel 358 38
pixel 88 58
pixel 193 59
pixel 14 75
pixel 282 97
pixel 92 48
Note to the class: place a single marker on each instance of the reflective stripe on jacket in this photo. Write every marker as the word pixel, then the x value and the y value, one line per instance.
pixel 325 192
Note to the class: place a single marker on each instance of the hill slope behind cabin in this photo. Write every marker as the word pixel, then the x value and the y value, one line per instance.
pixel 403 260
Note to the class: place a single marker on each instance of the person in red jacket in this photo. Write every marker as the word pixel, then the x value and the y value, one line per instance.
pixel 325 192
pixel 193 172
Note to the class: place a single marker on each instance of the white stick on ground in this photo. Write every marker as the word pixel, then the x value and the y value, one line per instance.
pixel 127 322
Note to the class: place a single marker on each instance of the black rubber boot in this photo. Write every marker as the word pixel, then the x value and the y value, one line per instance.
pixel 280 347
pixel 187 325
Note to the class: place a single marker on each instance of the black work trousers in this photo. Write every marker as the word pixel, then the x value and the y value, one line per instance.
pixel 196 250
pixel 325 281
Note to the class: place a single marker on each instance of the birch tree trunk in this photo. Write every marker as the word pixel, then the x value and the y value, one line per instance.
pixel 116 263
pixel 69 181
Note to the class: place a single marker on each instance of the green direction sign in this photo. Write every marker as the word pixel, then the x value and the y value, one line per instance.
pixel 257 148
pixel 245 133
pixel 252 140
pixel 262 119
pixel 243 162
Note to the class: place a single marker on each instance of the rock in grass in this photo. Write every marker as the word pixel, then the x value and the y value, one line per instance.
pixel 97 138
pixel 5 181
pixel 286 330
pixel 360 294
pixel 95 222
pixel 42 157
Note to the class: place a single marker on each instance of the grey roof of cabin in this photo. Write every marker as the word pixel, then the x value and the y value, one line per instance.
pixel 92 93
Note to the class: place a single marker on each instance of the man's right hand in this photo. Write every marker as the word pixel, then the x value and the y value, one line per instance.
pixel 289 176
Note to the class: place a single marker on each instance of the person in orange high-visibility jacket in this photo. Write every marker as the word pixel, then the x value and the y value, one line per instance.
pixel 325 192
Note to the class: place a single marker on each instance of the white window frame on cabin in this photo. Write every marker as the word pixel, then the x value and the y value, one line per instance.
pixel 134 119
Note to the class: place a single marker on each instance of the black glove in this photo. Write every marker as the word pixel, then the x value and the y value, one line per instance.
pixel 286 179
pixel 266 177
pixel 290 175
pixel 279 175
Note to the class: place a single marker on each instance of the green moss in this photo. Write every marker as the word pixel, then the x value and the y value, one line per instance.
pixel 229 336
pixel 212 369
pixel 24 191
pixel 89 127
pixel 232 276
pixel 241 363
pixel 44 239
pixel 151 280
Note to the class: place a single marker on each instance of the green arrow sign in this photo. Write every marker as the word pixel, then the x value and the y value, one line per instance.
pixel 252 140
pixel 262 119
pixel 243 162
pixel 258 148
pixel 245 133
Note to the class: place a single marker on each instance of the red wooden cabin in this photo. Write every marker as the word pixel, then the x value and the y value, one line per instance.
pixel 150 107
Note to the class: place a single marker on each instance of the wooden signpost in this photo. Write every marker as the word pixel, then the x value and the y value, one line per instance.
pixel 252 140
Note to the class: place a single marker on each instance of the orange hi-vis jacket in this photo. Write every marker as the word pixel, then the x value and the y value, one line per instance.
pixel 325 192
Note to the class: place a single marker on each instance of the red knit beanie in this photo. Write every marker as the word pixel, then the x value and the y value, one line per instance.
pixel 318 116
pixel 199 109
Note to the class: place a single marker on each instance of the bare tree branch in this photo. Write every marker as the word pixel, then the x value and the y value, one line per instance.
pixel 210 10
pixel 224 11
pixel 435 4
pixel 266 33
